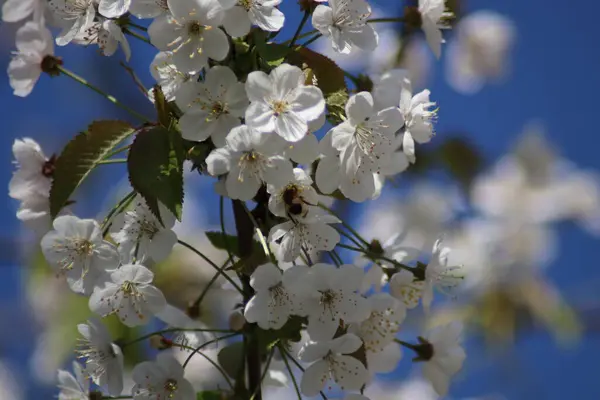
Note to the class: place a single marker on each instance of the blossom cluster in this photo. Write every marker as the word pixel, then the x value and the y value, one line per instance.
pixel 261 129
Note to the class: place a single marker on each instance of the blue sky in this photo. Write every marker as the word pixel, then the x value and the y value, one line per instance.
pixel 554 80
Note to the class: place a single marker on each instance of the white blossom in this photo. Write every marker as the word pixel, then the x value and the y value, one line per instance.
pixel 345 23
pixel 446 356
pixel 149 8
pixel 479 51
pixel 311 233
pixel 103 359
pixel 333 297
pixel 34 173
pixel 439 275
pixel 406 288
pixel 168 75
pixel 74 16
pixel 328 175
pixel 212 107
pixel 35 214
pixel 273 301
pixel 18 10
pixel 364 141
pixel 191 31
pixel 251 159
pixel 295 198
pixel 419 119
pixel 306 150
pixel 282 103
pixel 107 34
pixel 35 48
pixel 161 379
pixel 129 294
pixel 332 362
pixel 73 387
pixel 113 8
pixel 241 14
pixel 76 248
pixel 140 234
pixel 432 20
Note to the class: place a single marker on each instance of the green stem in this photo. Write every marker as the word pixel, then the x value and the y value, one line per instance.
pixel 336 258
pixel 377 256
pixel 210 360
pixel 264 374
pixel 345 225
pixel 300 367
pixel 121 205
pixel 116 397
pixel 197 349
pixel 109 97
pixel 376 20
pixel 138 36
pixel 210 283
pixel 301 36
pixel 149 335
pixel 113 161
pixel 344 234
pixel 215 266
pixel 309 41
pixel 287 366
pixel 406 344
pixel 141 28
pixel 222 221
pixel 261 237
pixel 300 26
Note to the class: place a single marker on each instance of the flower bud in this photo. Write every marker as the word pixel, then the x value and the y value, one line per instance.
pixel 160 342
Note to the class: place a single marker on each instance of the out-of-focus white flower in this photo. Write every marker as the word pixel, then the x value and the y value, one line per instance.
pixel 405 287
pixel 213 107
pixel 34 174
pixel 103 359
pixel 76 248
pixel 191 32
pixel 345 23
pixel 432 15
pixel 479 51
pixel 35 50
pixel 140 234
pixel 130 294
pixel 306 150
pixel 168 75
pixel 282 103
pixel 439 275
pixel 250 158
pixel 18 10
pixel 107 34
pixel 241 14
pixel 113 8
pixel 442 355
pixel 332 362
pixel 161 379
pixel 73 387
pixel 74 16
pixel 149 8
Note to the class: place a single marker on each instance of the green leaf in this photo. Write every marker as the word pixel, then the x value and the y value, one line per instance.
pixel 210 395
pixel 162 108
pixel 155 165
pixel 272 53
pixel 231 358
pixel 80 156
pixel 223 242
pixel 330 77
pixel 461 159
pixel 290 331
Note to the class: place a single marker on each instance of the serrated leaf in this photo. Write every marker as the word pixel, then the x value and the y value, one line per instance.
pixel 231 358
pixel 81 155
pixel 272 53
pixel 223 242
pixel 210 395
pixel 155 165
pixel 330 77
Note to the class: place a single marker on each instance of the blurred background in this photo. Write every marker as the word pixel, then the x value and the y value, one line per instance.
pixel 511 179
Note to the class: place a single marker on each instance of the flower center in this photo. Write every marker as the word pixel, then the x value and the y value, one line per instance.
pixel 171 387
pixel 147 228
pixel 252 161
pixel 328 297
pixel 195 29
pixel 247 4
pixel 162 4
pixel 83 247
pixel 49 167
pixel 219 108
pixel 129 289
pixel 279 107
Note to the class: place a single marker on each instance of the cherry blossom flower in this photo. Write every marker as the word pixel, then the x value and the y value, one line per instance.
pixel 250 159
pixel 73 387
pixel 191 32
pixel 103 359
pixel 34 173
pixel 345 23
pixel 107 34
pixel 419 119
pixel 34 55
pixel 439 275
pixel 76 248
pixel 406 288
pixel 241 14
pixel 328 175
pixel 282 103
pixel 306 150
pixel 332 362
pixel 442 355
pixel 433 19
pixel 75 16
pixel 161 379
pixel 212 107
pixel 149 8
pixel 34 211
pixel 129 294
pixel 140 234
pixel 294 198
pixel 18 10
pixel 480 50
pixel 334 296
pixel 364 141
pixel 168 75
pixel 311 233
pixel 273 302
pixel 113 8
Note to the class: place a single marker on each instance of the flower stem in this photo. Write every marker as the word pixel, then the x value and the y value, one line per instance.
pixel 284 353
pixel 377 256
pixel 215 266
pixel 300 26
pixel 120 206
pixel 223 232
pixel 210 360
pixel 149 335
pixel 137 36
pixel 301 36
pixel 405 344
pixel 134 25
pixel 350 229
pixel 309 41
pixel 210 283
pixel 376 20
pixel 197 349
pixel 109 97
pixel 287 366
pixel 265 371
pixel 260 235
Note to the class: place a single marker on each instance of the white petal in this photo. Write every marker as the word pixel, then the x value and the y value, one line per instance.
pixel 314 378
